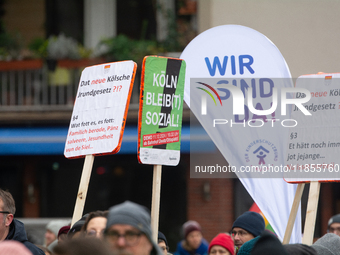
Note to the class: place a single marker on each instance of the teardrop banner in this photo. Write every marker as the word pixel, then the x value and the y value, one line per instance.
pixel 98 118
pixel 160 120
pixel 233 82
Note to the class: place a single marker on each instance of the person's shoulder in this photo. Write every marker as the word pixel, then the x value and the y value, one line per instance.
pixel 17 231
pixel 203 248
pixel 179 244
pixel 180 249
pixel 18 224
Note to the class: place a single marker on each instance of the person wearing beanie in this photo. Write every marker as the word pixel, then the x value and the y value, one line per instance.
pixel 163 243
pixel 268 244
pixel 52 229
pixel 75 230
pixel 246 227
pixel 128 230
pixel 62 234
pixel 193 243
pixel 51 234
pixel 328 244
pixel 334 225
pixel 222 244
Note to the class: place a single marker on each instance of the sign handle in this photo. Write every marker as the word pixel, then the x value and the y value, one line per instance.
pixel 83 186
pixel 293 212
pixel 312 206
pixel 156 193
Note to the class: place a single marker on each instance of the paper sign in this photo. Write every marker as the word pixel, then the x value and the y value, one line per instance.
pixel 100 109
pixel 313 147
pixel 160 111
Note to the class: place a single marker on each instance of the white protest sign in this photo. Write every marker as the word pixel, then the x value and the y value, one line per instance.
pixel 313 147
pixel 227 65
pixel 100 109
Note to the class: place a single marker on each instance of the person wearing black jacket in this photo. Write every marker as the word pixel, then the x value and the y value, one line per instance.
pixel 10 228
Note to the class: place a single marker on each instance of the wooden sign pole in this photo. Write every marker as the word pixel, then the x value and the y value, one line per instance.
pixel 83 186
pixel 156 194
pixel 312 206
pixel 293 212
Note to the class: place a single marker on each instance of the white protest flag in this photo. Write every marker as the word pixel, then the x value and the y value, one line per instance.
pixel 224 65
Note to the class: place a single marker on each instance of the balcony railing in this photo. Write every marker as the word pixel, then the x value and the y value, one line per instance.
pixel 29 85
pixel 29 91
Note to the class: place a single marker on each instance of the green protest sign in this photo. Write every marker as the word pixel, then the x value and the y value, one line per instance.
pixel 160 111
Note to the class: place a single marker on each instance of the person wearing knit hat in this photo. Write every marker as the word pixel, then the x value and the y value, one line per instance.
pixel 51 234
pixel 75 230
pixel 128 230
pixel 246 227
pixel 328 244
pixel 62 234
pixel 163 243
pixel 334 225
pixel 52 229
pixel 268 244
pixel 193 243
pixel 222 244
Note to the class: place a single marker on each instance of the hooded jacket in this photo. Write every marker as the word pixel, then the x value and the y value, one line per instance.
pixel 17 232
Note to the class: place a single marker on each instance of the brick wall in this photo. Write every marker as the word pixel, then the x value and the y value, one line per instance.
pixel 215 214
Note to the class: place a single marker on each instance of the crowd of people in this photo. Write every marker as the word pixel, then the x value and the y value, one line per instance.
pixel 125 229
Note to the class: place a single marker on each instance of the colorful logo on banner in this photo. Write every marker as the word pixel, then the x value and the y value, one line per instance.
pixel 102 101
pixel 160 111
